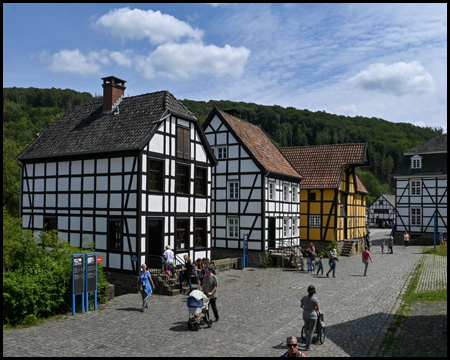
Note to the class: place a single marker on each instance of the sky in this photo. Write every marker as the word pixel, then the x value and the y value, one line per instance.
pixel 386 61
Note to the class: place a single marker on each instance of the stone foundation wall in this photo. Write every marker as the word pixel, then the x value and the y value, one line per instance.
pixel 416 239
pixel 253 256
pixel 225 264
pixel 123 283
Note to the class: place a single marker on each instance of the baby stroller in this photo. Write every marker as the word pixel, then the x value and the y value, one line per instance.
pixel 198 310
pixel 320 328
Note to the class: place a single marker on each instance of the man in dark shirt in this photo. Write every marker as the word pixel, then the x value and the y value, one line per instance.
pixel 210 290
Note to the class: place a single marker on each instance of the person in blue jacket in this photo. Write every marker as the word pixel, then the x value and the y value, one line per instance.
pixel 145 279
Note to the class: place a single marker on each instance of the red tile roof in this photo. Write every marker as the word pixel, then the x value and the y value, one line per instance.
pixel 322 165
pixel 260 145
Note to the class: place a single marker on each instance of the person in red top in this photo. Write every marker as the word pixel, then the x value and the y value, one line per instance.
pixel 365 259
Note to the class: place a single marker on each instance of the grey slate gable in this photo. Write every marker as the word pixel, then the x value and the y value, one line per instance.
pixel 432 164
pixel 86 129
pixel 438 144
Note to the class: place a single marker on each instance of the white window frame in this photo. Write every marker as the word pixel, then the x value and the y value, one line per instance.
pixel 315 221
pixel 416 162
pixel 340 223
pixel 416 187
pixel 416 216
pixel 286 227
pixel 233 189
pixel 272 191
pixel 285 192
pixel 233 227
pixel 294 193
pixel 222 152
pixel 294 227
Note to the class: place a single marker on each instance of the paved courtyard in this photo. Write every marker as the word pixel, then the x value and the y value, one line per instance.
pixel 258 310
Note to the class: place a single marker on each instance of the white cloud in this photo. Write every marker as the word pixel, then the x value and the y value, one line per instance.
pixel 138 24
pixel 186 60
pixel 122 58
pixel 349 110
pixel 399 78
pixel 75 61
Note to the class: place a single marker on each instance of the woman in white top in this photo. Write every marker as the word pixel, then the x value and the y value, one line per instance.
pixel 168 258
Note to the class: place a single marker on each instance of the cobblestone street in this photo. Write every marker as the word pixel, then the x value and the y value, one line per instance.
pixel 258 310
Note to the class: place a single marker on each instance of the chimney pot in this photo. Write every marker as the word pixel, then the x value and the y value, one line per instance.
pixel 113 90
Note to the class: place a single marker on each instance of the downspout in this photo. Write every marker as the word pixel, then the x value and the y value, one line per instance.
pixel 264 212
pixel 20 189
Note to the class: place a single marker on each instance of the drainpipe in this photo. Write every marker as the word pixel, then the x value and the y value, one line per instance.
pixel 20 189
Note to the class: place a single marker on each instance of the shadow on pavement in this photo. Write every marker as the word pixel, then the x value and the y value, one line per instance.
pixel 130 309
pixel 180 326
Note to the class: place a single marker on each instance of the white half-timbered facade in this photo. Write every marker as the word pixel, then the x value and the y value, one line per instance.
pixel 132 175
pixel 255 189
pixel 421 190
pixel 382 211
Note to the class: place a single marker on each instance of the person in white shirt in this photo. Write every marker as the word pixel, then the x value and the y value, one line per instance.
pixel 168 258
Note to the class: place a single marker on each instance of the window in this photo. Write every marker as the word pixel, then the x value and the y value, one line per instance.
pixel 314 221
pixel 286 227
pixel 294 194
pixel 115 234
pixel 294 227
pixel 233 228
pixel 415 216
pixel 200 181
pixel 200 236
pixel 271 191
pixel 349 222
pixel 416 162
pixel 285 192
pixel 381 202
pixel 50 223
pixel 182 179
pixel 183 143
pixel 233 190
pixel 416 186
pixel 155 175
pixel 182 235
pixel 312 196
pixel 221 152
pixel 340 223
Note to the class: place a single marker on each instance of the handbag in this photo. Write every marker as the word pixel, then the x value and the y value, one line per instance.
pixel 140 287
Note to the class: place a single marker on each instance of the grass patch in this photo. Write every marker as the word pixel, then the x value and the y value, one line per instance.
pixel 440 250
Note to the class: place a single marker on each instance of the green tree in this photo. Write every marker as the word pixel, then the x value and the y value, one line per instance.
pixel 11 177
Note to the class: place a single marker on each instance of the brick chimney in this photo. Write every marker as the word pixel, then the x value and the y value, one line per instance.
pixel 113 90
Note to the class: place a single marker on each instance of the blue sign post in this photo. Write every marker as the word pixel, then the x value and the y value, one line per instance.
pixel 245 247
pixel 77 280
pixel 91 278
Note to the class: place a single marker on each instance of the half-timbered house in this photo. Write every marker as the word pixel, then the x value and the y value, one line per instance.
pixel 421 191
pixel 382 211
pixel 131 174
pixel 333 199
pixel 255 189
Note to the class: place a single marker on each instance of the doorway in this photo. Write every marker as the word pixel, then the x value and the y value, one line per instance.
pixel 155 237
pixel 272 232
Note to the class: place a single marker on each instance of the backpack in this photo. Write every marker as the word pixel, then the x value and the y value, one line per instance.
pixel 313 256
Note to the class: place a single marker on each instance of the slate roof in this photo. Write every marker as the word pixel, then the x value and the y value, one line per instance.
pixel 432 164
pixel 259 145
pixel 438 144
pixel 86 129
pixel 322 166
pixel 389 198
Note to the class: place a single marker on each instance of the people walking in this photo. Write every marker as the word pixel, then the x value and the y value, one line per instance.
pixel 332 258
pixel 309 304
pixel 186 272
pixel 382 245
pixel 145 279
pixel 391 244
pixel 210 289
pixel 365 259
pixel 406 239
pixel 368 236
pixel 292 346
pixel 168 258
pixel 320 265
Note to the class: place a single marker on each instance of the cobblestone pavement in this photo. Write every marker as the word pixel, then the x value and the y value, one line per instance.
pixel 433 275
pixel 258 310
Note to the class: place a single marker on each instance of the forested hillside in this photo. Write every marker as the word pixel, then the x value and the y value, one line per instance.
pixel 27 111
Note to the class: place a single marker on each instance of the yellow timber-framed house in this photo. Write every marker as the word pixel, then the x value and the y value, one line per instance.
pixel 332 197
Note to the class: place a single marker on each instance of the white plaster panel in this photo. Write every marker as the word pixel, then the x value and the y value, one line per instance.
pixel 63 184
pixel 183 123
pixel 75 184
pixel 234 244
pixel 182 204
pixel 403 211
pixel 221 243
pixel 256 235
pixel 246 221
pixel 442 182
pixel 441 191
pixel 271 206
pixel 172 146
pixel 191 203
pixel 415 199
pixel 428 200
pixel 253 207
pixel 63 200
pixel 89 166
pixel 63 235
pixel 75 167
pixel 221 138
pixel 173 168
pixel 63 168
pixel 233 206
pixel 172 203
pixel 144 163
pixel 248 166
pixel 211 139
pixel 245 193
pixel 220 206
pixel 51 169
pixel 231 139
pixel 127 180
pixel 155 203
pixel 75 200
pixel 38 221
pixel 200 205
pixel 247 180
pixel 253 245
pixel 88 183
pixel 25 185
pixel 221 167
pixel 100 224
pixel 173 127
pixel 132 201
pixel 221 181
pixel 29 168
pixel 63 223
pixel 166 203
pixel 88 223
pixel 167 150
pixel 157 144
pixel 116 165
pixel 233 151
pixel 102 183
pixel 88 200
pixel 39 184
pixel 114 261
pixel 75 239
pixel 200 153
pixel 233 166
pixel 74 223
pixel 403 200
pixel 38 200
pixel 101 200
pixel 116 183
pixel 126 262
pixel 50 200
pixel 102 166
pixel 172 225
pixel 215 123
pixel 427 211
pixel 39 170
pixel 100 242
pixel 129 163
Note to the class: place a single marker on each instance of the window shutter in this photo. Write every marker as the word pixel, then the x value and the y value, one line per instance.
pixel 180 138
pixel 187 144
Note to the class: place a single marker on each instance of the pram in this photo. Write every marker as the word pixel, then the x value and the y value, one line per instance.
pixel 198 310
pixel 320 328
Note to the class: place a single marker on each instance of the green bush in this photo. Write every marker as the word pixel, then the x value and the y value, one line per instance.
pixel 37 274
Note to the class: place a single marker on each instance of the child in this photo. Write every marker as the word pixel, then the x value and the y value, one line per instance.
pixel 320 265
pixel 308 261
pixel 382 245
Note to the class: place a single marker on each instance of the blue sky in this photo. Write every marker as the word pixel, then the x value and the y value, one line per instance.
pixel 378 60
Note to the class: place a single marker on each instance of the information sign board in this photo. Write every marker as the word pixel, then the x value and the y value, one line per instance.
pixel 91 273
pixel 78 274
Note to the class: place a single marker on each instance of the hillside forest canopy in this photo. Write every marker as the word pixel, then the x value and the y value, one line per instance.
pixel 27 111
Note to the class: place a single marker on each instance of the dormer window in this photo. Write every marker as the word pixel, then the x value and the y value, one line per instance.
pixel 416 162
